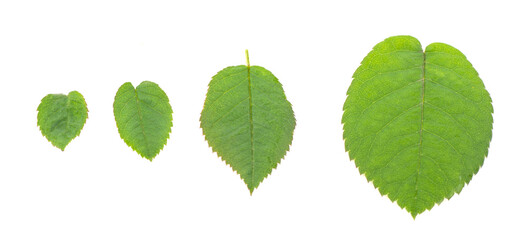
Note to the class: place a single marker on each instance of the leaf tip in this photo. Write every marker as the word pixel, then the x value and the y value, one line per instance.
pixel 416 211
pixel 148 157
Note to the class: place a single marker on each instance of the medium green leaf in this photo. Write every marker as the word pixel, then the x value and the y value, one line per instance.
pixel 248 121
pixel 418 124
pixel 62 117
pixel 143 117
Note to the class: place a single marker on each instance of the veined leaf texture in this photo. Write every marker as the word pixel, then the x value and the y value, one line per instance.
pixel 417 123
pixel 61 117
pixel 144 117
pixel 248 121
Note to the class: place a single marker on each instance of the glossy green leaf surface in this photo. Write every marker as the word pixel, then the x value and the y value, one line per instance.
pixel 417 124
pixel 61 117
pixel 144 117
pixel 248 121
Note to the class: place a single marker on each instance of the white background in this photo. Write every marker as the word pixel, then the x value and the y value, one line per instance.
pixel 100 189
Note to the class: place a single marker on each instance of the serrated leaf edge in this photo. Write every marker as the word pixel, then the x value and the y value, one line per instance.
pixel 465 183
pixel 226 163
pixel 165 141
pixel 83 123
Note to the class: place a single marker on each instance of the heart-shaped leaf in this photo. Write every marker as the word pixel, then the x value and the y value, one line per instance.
pixel 418 124
pixel 143 117
pixel 248 121
pixel 62 117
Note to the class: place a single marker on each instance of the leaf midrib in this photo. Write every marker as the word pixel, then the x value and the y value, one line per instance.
pixel 141 123
pixel 251 127
pixel 421 127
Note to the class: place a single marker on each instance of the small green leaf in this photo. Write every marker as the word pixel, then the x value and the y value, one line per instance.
pixel 418 124
pixel 143 117
pixel 248 121
pixel 62 117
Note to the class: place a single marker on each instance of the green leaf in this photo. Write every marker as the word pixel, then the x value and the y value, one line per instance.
pixel 248 121
pixel 418 124
pixel 62 117
pixel 143 117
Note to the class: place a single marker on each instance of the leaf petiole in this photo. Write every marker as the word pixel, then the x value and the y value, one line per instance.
pixel 247 57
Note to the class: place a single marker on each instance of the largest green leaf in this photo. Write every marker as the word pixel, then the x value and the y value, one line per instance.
pixel 418 124
pixel 248 121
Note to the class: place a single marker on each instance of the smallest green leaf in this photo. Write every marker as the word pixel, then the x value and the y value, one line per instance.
pixel 62 117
